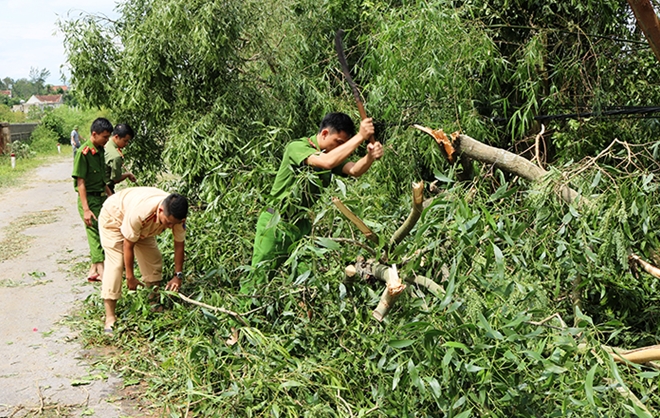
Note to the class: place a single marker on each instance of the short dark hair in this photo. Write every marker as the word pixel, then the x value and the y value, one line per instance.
pixel 122 130
pixel 101 125
pixel 338 122
pixel 176 205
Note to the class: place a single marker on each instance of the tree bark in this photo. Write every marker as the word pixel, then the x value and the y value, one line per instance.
pixel 638 355
pixel 648 23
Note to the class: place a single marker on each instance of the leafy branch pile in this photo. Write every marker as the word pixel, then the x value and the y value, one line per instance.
pixel 216 89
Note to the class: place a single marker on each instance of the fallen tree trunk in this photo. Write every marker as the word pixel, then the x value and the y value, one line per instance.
pixel 502 159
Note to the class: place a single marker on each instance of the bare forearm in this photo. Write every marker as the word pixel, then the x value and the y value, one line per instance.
pixel 178 255
pixel 82 192
pixel 129 258
pixel 330 160
pixel 361 166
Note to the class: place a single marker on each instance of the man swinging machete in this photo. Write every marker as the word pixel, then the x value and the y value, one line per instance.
pixel 326 153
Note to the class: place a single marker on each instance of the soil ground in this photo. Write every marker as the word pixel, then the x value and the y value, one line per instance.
pixel 43 259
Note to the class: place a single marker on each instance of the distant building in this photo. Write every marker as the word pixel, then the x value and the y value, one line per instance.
pixel 58 88
pixel 5 93
pixel 42 102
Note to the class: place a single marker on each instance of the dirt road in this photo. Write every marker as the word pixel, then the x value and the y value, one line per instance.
pixel 42 371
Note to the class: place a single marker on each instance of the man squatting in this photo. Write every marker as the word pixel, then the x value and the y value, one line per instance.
pixel 128 225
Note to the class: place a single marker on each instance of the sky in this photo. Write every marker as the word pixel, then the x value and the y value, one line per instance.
pixel 29 35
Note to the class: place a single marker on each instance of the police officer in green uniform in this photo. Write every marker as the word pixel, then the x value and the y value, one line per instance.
pixel 327 153
pixel 91 184
pixel 114 158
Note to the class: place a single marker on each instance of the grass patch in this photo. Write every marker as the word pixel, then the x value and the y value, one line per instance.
pixel 14 177
pixel 15 243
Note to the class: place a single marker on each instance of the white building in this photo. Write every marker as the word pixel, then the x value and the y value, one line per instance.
pixel 52 100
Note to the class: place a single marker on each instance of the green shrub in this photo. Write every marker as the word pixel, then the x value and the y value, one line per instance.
pixel 43 139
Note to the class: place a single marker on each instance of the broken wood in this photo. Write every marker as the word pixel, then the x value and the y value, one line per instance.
pixel 648 267
pixel 356 221
pixel 500 158
pixel 393 289
pixel 638 355
pixel 394 285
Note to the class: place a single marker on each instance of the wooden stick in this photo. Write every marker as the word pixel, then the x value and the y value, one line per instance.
pixel 215 308
pixel 356 221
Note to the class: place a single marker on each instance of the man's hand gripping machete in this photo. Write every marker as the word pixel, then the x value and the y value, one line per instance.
pixel 344 68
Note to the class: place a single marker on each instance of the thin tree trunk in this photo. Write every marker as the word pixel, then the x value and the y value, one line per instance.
pixel 648 23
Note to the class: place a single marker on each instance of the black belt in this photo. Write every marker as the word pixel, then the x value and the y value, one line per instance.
pixel 97 194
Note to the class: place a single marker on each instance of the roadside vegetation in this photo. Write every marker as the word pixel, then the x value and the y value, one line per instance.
pixel 55 126
pixel 534 290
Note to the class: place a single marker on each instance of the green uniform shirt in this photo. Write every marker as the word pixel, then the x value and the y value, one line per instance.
pixel 89 164
pixel 113 162
pixel 293 160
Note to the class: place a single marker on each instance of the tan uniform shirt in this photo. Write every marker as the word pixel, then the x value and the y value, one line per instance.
pixel 136 211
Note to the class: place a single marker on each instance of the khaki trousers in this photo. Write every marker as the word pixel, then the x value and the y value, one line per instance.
pixel 146 252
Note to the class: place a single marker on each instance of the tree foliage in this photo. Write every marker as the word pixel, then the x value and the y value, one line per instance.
pixel 216 89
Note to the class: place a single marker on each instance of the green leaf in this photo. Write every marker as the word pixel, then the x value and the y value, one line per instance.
pixel 342 186
pixel 455 344
pixel 490 332
pixel 328 243
pixel 441 177
pixel 401 343
pixel 290 384
pixel 589 386
pixel 464 414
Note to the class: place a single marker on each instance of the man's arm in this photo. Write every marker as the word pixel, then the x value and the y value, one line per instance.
pixel 374 152
pixel 175 283
pixel 88 215
pixel 125 176
pixel 330 160
pixel 129 261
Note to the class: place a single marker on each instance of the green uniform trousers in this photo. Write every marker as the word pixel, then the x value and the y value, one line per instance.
pixel 93 238
pixel 272 244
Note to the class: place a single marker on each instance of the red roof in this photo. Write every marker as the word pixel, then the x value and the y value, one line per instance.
pixel 5 92
pixel 51 98
pixel 63 87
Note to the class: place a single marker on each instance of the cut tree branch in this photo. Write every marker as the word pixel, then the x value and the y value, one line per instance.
pixel 214 308
pixel 502 159
pixel 415 213
pixel 648 267
pixel 393 289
